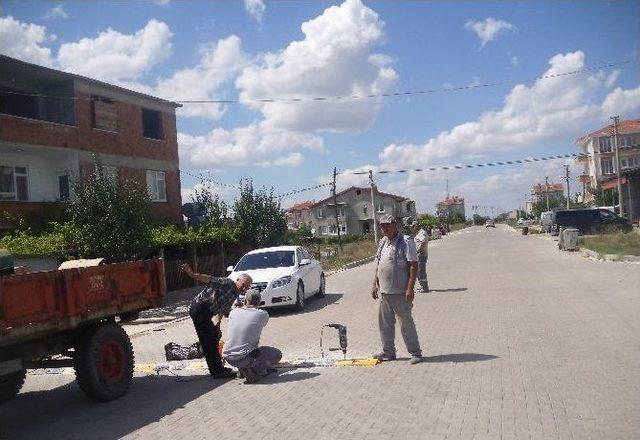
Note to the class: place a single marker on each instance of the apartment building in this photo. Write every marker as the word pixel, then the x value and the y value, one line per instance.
pixel 600 168
pixel 355 212
pixel 53 124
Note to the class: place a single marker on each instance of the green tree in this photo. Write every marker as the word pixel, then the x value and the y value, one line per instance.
pixel 541 206
pixel 216 208
pixel 258 216
pixel 602 197
pixel 112 216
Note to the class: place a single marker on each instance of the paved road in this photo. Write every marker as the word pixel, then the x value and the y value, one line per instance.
pixel 522 341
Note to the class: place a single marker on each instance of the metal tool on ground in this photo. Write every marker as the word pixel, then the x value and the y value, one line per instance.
pixel 342 336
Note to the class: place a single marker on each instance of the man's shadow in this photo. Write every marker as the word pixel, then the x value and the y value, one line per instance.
pixel 460 357
pixel 457 289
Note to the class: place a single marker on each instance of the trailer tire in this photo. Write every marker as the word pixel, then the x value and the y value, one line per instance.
pixel 104 362
pixel 10 384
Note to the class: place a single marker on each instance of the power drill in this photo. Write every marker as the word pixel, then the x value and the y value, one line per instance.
pixel 342 335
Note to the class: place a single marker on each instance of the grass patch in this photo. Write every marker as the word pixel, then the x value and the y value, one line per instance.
pixel 332 258
pixel 616 244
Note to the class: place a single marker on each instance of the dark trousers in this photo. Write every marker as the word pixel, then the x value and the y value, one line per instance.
pixel 208 335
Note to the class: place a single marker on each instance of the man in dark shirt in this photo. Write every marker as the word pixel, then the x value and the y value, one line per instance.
pixel 215 300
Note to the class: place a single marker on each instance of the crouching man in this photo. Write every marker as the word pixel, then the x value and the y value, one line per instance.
pixel 241 349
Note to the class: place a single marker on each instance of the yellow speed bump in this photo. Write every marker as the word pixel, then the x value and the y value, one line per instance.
pixel 358 362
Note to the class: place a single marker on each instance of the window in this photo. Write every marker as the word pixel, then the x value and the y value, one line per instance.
pixel 14 183
pixel 625 163
pixel 320 213
pixel 63 187
pixel 358 192
pixel 157 186
pixel 605 144
pixel 380 207
pixel 110 172
pixel 607 215
pixel 365 208
pixel 323 230
pixel 409 207
pixel 104 114
pixel 606 166
pixel 152 124
pixel 340 211
pixel 343 228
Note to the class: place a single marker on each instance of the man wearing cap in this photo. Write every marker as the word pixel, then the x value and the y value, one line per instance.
pixel 214 301
pixel 241 348
pixel 421 240
pixel 393 283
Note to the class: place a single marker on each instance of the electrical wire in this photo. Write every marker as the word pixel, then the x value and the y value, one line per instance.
pixel 347 97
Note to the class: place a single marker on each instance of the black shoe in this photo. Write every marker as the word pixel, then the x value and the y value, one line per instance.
pixel 225 373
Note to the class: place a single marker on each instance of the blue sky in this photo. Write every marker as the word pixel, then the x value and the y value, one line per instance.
pixel 251 50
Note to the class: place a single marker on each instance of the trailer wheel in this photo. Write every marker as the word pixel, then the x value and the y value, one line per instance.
pixel 10 384
pixel 104 362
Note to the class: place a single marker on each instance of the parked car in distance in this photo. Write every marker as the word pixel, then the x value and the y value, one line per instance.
pixel 284 275
pixel 524 222
pixel 546 221
pixel 591 220
pixel 490 224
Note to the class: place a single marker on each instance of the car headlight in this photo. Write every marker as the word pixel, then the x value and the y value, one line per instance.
pixel 280 282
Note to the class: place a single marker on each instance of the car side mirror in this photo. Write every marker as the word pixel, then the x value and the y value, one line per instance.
pixel 230 269
pixel 305 262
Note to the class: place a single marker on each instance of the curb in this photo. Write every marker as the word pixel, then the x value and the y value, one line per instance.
pixel 588 253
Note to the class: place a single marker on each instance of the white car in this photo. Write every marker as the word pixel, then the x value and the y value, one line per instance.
pixel 284 275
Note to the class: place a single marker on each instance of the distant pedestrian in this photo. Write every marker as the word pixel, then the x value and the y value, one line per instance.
pixel 242 348
pixel 421 239
pixel 393 283
pixel 215 300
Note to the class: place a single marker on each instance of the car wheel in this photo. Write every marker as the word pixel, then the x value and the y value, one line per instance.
pixel 300 296
pixel 323 287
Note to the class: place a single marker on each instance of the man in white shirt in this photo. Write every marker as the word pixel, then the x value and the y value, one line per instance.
pixel 422 247
pixel 242 349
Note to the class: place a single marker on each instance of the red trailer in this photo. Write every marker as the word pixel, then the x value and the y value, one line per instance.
pixel 64 318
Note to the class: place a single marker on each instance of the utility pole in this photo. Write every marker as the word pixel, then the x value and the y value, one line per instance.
pixel 546 190
pixel 335 205
pixel 616 119
pixel 373 207
pixel 566 177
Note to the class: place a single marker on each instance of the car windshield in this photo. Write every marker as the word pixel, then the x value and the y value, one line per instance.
pixel 266 260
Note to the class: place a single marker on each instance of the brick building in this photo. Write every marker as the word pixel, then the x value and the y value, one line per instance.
pixel 450 206
pixel 53 123
pixel 540 191
pixel 299 214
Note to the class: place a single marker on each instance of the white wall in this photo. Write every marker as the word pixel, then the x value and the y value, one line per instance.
pixel 43 168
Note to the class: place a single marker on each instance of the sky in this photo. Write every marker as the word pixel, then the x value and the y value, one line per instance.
pixel 505 81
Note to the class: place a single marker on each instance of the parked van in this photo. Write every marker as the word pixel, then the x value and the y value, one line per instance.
pixel 546 220
pixel 592 220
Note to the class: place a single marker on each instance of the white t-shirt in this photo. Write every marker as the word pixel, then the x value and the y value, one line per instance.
pixel 393 264
pixel 244 327
pixel 420 238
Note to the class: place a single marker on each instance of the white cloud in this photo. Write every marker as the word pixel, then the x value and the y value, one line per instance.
pixel 557 108
pixel 488 29
pixel 220 62
pixel 224 192
pixel 336 53
pixel 25 41
pixel 256 8
pixel 515 61
pixel 56 12
pixel 162 2
pixel 346 178
pixel 113 56
pixel 255 144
